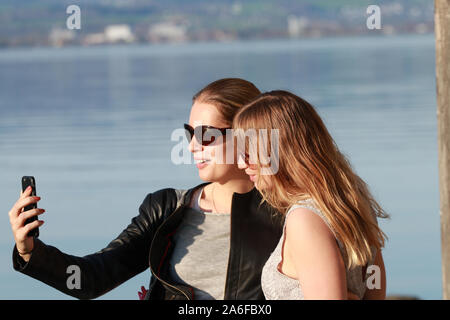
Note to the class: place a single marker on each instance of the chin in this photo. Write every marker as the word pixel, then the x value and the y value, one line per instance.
pixel 207 175
pixel 215 175
pixel 204 177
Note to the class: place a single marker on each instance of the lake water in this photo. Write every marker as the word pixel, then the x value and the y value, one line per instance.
pixel 93 125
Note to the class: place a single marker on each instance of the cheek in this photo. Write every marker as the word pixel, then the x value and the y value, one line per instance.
pixel 209 152
pixel 217 172
pixel 219 154
pixel 219 165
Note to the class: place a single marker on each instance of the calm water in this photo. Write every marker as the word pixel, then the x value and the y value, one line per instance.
pixel 93 126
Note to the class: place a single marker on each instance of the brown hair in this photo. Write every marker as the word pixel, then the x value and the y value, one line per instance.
pixel 311 166
pixel 228 96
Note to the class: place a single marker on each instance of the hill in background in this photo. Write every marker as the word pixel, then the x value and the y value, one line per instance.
pixel 43 22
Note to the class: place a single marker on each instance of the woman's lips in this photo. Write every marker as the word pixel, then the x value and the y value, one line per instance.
pixel 251 176
pixel 202 163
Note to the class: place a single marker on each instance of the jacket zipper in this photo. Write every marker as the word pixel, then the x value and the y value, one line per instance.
pixel 229 250
pixel 153 271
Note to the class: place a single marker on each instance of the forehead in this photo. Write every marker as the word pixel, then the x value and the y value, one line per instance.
pixel 205 114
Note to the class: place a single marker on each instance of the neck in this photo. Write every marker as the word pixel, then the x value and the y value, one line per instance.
pixel 238 185
pixel 223 192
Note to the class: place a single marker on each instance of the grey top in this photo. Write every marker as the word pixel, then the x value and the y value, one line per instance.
pixel 200 254
pixel 278 286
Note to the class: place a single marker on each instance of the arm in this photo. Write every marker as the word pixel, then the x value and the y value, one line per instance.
pixel 315 256
pixel 100 272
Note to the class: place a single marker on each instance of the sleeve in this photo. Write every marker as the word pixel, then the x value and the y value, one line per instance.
pixel 123 258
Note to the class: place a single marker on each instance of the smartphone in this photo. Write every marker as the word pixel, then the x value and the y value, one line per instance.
pixel 26 182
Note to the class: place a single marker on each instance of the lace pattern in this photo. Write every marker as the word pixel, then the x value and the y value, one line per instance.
pixel 278 286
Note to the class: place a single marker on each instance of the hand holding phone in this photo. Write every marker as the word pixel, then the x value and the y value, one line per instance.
pixel 19 215
pixel 29 181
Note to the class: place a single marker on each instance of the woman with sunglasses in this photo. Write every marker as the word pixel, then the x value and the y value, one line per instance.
pixel 330 234
pixel 207 242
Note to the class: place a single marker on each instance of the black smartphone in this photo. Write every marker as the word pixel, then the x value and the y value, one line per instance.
pixel 26 182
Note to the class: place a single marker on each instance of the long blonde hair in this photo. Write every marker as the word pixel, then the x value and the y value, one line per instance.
pixel 311 166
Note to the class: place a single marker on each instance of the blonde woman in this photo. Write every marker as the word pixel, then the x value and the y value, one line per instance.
pixel 330 234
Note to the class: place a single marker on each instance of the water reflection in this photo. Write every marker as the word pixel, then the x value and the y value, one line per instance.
pixel 94 125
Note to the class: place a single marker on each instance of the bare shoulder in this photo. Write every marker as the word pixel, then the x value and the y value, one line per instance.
pixel 313 255
pixel 304 224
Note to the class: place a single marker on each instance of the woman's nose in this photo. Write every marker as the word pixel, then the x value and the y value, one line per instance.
pixel 194 145
pixel 241 162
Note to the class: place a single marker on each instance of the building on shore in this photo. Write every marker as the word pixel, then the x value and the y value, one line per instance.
pixel 167 32
pixel 60 37
pixel 120 33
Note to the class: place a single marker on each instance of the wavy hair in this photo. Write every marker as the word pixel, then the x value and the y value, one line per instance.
pixel 312 167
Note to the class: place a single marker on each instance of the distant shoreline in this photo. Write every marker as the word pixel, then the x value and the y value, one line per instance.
pixel 293 41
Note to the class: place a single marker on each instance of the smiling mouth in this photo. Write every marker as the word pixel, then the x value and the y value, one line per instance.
pixel 202 161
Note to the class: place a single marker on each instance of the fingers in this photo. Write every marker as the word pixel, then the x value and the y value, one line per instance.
pixel 20 204
pixel 28 227
pixel 25 193
pixel 20 221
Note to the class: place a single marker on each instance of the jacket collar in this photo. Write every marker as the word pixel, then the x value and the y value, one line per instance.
pixel 184 196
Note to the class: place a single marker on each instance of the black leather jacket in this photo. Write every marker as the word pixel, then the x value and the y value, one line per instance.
pixel 147 242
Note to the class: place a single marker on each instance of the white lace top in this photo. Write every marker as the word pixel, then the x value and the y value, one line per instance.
pixel 278 286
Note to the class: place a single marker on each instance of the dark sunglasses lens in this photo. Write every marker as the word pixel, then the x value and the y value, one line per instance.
pixel 207 136
pixel 189 132
pixel 204 135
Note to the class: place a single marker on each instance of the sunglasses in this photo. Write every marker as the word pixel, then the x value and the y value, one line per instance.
pixel 246 158
pixel 200 132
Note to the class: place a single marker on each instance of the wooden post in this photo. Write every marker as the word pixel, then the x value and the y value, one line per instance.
pixel 442 33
